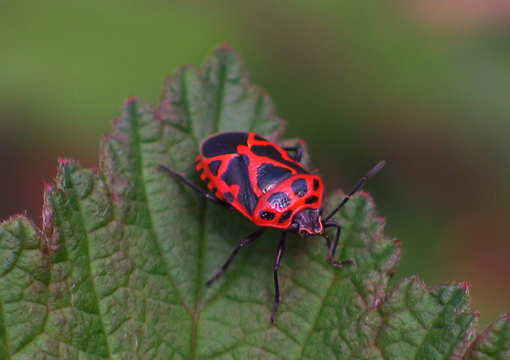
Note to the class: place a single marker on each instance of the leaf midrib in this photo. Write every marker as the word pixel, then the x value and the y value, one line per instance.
pixel 74 197
pixel 134 116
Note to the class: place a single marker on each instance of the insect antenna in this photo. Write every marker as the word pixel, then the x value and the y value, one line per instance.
pixel 356 188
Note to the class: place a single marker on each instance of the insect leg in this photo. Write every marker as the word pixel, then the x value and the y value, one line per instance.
pixel 242 244
pixel 299 152
pixel 332 250
pixel 328 242
pixel 277 261
pixel 356 188
pixel 201 192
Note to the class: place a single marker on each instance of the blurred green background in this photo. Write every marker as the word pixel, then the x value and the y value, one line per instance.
pixel 422 84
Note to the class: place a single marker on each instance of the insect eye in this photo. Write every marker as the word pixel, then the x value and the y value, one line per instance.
pixel 294 227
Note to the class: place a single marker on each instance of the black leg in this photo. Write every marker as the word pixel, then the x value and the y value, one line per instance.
pixel 332 250
pixel 202 193
pixel 328 241
pixel 299 152
pixel 243 243
pixel 277 262
pixel 356 188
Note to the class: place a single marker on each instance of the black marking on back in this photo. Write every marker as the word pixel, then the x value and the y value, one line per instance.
pixel 279 199
pixel 267 215
pixel 223 143
pixel 214 167
pixel 271 152
pixel 259 138
pixel 237 174
pixel 311 200
pixel 229 196
pixel 206 180
pixel 316 184
pixel 214 190
pixel 299 187
pixel 285 216
pixel 268 176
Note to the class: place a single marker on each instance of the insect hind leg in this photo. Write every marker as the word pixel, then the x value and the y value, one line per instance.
pixel 201 192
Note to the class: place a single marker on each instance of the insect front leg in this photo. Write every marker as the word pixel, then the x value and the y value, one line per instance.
pixel 332 250
pixel 201 192
pixel 277 262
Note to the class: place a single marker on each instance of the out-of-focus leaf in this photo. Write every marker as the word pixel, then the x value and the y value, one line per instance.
pixel 493 343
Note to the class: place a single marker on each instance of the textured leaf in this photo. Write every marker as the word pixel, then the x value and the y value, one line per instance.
pixel 493 343
pixel 119 269
pixel 423 324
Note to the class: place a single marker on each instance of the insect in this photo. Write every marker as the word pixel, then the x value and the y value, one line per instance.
pixel 262 181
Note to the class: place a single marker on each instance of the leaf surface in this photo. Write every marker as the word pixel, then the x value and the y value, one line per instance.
pixel 493 343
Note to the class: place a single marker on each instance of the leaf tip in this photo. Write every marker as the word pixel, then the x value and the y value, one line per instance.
pixel 225 47
pixel 364 193
pixel 64 161
pixel 465 285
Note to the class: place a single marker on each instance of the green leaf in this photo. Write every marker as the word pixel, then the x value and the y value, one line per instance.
pixel 119 269
pixel 493 343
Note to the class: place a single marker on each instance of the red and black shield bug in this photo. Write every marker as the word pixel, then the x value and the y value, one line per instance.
pixel 272 189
